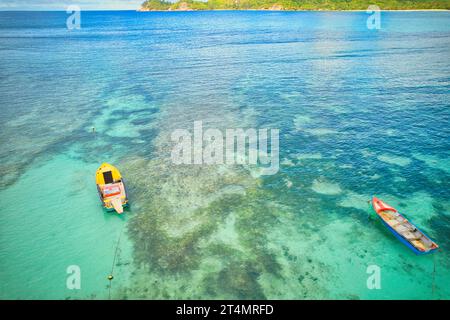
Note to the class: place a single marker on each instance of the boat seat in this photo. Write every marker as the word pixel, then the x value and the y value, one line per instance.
pixel 402 228
pixel 395 223
pixel 410 236
pixel 111 190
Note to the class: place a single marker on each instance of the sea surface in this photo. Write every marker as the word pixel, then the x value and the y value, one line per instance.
pixel 361 112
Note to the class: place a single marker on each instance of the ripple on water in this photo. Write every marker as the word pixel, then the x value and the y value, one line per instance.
pixel 320 131
pixel 287 162
pixel 355 200
pixel 300 121
pixel 303 156
pixel 124 117
pixel 393 159
pixel 434 162
pixel 325 187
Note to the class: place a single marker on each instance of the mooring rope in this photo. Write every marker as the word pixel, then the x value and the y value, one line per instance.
pixel 110 276
pixel 433 288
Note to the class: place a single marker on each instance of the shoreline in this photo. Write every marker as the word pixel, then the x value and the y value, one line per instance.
pixel 317 10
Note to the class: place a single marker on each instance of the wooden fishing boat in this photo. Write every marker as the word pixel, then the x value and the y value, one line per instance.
pixel 403 229
pixel 111 187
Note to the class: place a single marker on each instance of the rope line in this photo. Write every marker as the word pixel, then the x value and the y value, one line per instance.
pixel 433 284
pixel 110 276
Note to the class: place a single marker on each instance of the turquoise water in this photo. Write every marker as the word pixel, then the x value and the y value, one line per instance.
pixel 360 112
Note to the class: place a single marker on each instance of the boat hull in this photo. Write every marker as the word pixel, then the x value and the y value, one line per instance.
pixel 406 242
pixel 111 188
pixel 380 206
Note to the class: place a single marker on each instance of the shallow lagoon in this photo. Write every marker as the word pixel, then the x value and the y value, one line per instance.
pixel 360 112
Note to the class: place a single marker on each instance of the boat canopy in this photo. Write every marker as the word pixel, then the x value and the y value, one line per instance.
pixel 107 174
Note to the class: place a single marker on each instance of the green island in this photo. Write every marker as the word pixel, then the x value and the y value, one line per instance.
pixel 276 5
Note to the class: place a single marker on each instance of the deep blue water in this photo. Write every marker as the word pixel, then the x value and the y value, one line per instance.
pixel 361 112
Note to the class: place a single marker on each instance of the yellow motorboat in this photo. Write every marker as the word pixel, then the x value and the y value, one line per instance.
pixel 111 187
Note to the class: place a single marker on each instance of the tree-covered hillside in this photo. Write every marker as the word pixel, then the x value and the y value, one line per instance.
pixel 295 4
